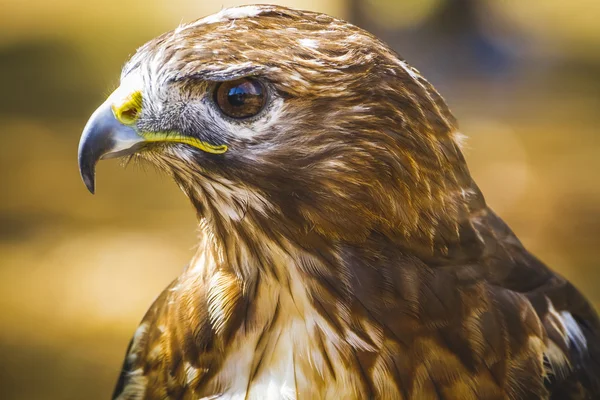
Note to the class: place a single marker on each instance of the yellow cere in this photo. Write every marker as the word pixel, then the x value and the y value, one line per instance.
pixel 129 110
pixel 178 138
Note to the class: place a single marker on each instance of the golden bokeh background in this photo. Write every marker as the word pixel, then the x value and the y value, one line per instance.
pixel 78 272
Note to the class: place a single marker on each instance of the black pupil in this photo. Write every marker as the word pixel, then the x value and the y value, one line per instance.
pixel 238 95
pixel 241 98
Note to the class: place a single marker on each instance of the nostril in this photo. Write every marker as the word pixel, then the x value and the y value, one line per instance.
pixel 128 115
pixel 129 111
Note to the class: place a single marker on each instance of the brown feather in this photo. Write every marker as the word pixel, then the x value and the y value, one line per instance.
pixel 346 252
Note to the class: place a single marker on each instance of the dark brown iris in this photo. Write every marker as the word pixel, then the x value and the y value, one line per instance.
pixel 241 98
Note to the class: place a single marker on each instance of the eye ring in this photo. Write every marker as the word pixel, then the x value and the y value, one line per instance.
pixel 240 98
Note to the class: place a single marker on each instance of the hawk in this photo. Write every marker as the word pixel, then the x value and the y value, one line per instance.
pixel 346 252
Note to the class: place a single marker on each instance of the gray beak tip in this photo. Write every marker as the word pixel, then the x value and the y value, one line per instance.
pixel 89 184
pixel 87 166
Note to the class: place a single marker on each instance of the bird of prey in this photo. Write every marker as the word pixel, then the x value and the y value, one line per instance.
pixel 346 252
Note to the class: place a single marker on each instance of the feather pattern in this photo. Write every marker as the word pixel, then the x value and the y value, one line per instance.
pixel 345 250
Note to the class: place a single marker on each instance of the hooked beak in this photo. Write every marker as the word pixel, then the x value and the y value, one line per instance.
pixel 104 137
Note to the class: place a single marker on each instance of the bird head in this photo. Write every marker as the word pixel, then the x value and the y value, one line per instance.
pixel 267 114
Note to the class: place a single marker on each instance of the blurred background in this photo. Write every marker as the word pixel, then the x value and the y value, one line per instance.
pixel 78 272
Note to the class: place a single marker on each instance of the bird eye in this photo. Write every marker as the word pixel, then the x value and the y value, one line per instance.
pixel 241 98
